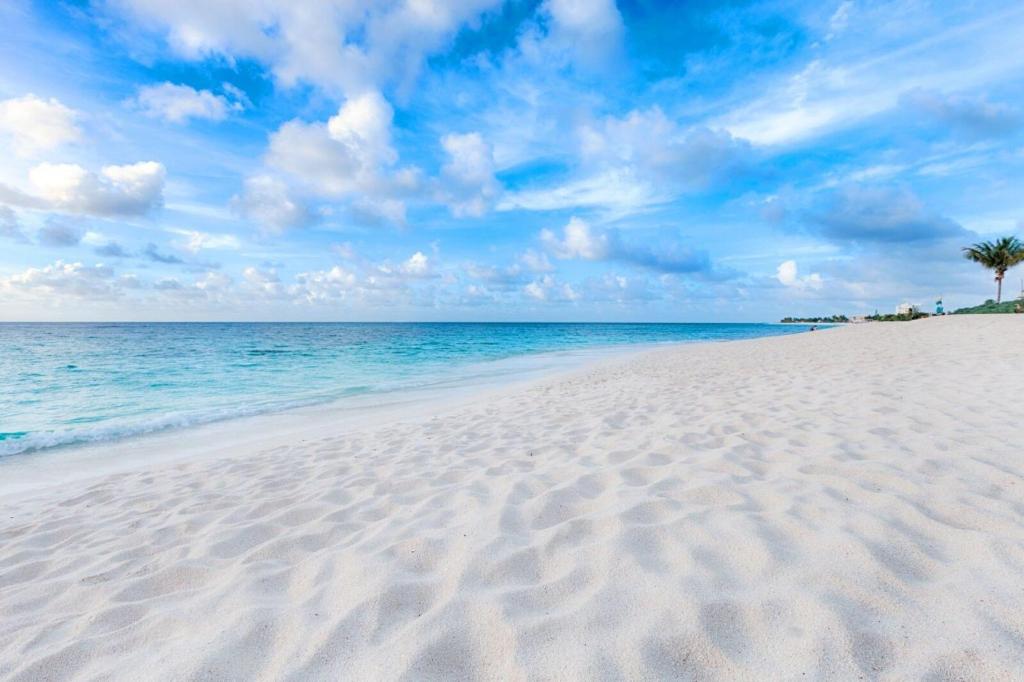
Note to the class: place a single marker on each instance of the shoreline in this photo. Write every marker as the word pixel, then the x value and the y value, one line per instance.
pixel 841 504
pixel 26 472
pixel 277 428
pixel 27 435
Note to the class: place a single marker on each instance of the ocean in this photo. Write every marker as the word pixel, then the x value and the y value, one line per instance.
pixel 66 384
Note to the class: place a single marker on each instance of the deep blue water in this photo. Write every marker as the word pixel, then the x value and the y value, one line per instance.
pixel 72 383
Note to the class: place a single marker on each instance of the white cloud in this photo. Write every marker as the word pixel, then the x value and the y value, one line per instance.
pixel 265 282
pixel 536 290
pixel 840 18
pixel 350 154
pixel 324 285
pixel 64 279
pixel 656 148
pixel 418 265
pixel 213 283
pixel 115 191
pixel 363 126
pixel 268 201
pixel 196 241
pixel 789 276
pixel 840 89
pixel 547 288
pixel 578 241
pixel 593 18
pixel 36 125
pixel 590 29
pixel 619 289
pixel 584 34
pixel 468 176
pixel 536 262
pixel 345 46
pixel 178 103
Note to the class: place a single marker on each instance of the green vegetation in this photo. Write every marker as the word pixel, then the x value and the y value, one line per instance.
pixel 835 319
pixel 892 317
pixel 989 307
pixel 998 256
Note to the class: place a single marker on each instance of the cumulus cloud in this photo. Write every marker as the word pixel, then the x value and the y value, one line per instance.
pixel 179 103
pixel 345 46
pixel 972 116
pixel 501 277
pixel 375 285
pixel 548 288
pixel 578 240
pixel 349 154
pixel 418 265
pixel 789 276
pixel 618 289
pixel 321 286
pixel 529 264
pixel 535 261
pixel 863 214
pixel 64 279
pixel 469 185
pixel 264 282
pixel 36 125
pixel 268 201
pixel 581 241
pixel 115 191
pixel 213 283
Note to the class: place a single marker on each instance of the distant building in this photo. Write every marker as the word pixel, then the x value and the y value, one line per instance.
pixel 907 309
pixel 859 319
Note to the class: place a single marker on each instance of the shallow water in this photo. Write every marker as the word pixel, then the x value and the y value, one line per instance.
pixel 62 384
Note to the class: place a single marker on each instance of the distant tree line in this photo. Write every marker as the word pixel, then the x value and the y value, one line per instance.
pixel 991 306
pixel 818 320
pixel 892 317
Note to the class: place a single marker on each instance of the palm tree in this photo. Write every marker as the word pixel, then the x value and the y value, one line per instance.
pixel 998 256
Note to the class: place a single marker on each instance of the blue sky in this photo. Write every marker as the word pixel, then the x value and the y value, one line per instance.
pixel 473 160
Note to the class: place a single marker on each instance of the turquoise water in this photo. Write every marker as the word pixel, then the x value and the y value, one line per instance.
pixel 62 384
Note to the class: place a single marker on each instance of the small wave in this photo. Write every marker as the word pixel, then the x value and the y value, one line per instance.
pixel 22 442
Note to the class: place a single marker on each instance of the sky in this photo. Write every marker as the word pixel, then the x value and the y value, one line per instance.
pixel 570 160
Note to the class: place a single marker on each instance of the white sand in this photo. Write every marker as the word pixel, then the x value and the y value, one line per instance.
pixel 843 504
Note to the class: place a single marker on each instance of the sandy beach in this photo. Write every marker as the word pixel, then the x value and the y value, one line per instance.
pixel 844 504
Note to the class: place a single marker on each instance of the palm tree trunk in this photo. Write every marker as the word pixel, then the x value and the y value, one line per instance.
pixel 999 289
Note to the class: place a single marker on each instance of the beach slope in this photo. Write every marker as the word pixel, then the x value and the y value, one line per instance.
pixel 843 504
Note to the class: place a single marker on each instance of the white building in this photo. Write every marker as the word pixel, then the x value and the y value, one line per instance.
pixel 907 309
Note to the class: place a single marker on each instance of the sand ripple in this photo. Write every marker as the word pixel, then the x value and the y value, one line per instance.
pixel 846 504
